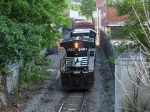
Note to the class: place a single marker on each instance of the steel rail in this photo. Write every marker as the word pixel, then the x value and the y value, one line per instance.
pixel 73 103
pixel 82 102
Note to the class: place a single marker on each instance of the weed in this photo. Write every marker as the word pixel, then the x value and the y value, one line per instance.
pixel 33 71
pixel 16 89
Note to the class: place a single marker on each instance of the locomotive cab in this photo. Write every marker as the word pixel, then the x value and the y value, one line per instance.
pixel 77 66
pixel 87 33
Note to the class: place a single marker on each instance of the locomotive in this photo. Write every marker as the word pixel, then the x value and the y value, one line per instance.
pixel 77 66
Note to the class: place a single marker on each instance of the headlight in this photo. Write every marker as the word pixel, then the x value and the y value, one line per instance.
pixel 76 45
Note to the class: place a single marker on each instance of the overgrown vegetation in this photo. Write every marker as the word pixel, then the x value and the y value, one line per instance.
pixel 136 29
pixel 74 5
pixel 87 7
pixel 26 28
pixel 137 24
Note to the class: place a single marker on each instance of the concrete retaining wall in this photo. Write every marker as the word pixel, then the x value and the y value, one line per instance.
pixel 127 72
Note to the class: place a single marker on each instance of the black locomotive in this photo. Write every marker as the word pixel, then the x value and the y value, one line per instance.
pixel 77 66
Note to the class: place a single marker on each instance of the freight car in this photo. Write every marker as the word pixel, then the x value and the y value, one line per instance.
pixel 77 66
pixel 81 24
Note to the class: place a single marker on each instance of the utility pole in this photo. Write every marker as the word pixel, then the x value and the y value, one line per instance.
pixel 97 15
pixel 98 12
pixel 104 14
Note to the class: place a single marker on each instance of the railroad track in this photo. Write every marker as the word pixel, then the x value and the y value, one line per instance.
pixel 73 102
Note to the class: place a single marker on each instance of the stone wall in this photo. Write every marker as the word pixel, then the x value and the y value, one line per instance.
pixel 8 84
pixel 12 80
pixel 3 98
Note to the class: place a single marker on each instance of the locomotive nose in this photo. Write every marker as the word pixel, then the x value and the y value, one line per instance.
pixel 82 75
pixel 77 82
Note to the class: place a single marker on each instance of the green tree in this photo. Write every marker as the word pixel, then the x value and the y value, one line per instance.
pixel 74 0
pixel 137 29
pixel 136 23
pixel 74 6
pixel 27 27
pixel 87 8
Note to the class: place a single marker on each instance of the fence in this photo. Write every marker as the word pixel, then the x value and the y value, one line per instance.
pixel 107 47
pixel 131 82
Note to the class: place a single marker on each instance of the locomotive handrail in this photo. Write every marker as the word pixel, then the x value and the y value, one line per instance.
pixel 62 61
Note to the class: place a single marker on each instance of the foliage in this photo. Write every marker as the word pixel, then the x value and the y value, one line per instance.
pixel 87 8
pixel 74 0
pixel 27 27
pixel 16 89
pixel 74 6
pixel 135 28
pixel 32 73
pixel 142 106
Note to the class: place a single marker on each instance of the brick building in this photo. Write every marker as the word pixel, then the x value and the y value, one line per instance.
pixel 108 17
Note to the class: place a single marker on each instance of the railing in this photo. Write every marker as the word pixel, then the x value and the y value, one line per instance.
pixel 63 61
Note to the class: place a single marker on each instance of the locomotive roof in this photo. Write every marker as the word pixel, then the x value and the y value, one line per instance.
pixel 88 33
pixel 79 38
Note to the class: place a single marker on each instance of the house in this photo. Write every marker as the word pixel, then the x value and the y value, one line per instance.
pixel 108 16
